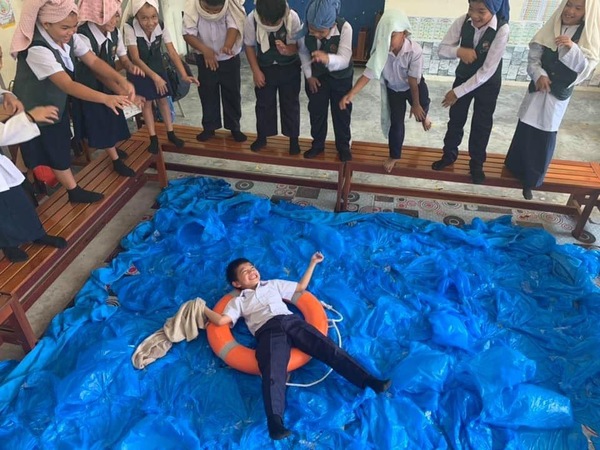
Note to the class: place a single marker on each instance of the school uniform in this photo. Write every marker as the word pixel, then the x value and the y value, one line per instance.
pixel 94 121
pixel 222 86
pixel 336 81
pixel 541 113
pixel 277 330
pixel 282 78
pixel 150 52
pixel 407 63
pixel 478 82
pixel 33 87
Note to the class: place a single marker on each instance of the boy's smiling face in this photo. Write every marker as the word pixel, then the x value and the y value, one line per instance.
pixel 573 12
pixel 479 13
pixel 247 277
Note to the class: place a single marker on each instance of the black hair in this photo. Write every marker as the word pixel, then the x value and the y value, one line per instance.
pixel 214 2
pixel 232 267
pixel 270 11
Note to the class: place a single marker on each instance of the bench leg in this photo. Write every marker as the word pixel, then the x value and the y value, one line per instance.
pixel 161 169
pixel 340 187
pixel 591 202
pixel 346 187
pixel 21 326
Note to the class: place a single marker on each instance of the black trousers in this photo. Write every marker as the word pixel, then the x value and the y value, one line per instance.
pixel 275 341
pixel 397 102
pixel 331 92
pixel 484 104
pixel 220 86
pixel 285 81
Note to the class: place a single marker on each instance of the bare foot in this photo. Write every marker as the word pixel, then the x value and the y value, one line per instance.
pixel 389 164
pixel 426 124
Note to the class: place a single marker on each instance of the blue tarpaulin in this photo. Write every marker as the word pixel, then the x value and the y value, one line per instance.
pixel 489 332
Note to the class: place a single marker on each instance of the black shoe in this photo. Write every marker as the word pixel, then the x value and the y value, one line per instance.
pixel 276 429
pixel 174 139
pixel 442 163
pixel 80 195
pixel 122 169
pixel 122 154
pixel 313 152
pixel 15 254
pixel 294 146
pixel 527 194
pixel 378 385
pixel 205 135
pixel 238 136
pixel 153 147
pixel 345 155
pixel 259 143
pixel 52 241
pixel 477 175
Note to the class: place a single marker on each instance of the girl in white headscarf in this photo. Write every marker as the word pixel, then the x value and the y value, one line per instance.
pixel 561 55
pixel 46 46
pixel 398 62
pixel 144 38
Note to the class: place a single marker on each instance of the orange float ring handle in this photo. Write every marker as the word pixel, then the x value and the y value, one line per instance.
pixel 242 358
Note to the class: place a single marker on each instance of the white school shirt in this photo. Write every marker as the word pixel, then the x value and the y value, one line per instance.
pixel 42 61
pixel 337 61
pixel 543 110
pixel 407 63
pixel 17 129
pixel 213 33
pixel 250 30
pixel 259 305
pixel 131 33
pixel 101 38
pixel 450 44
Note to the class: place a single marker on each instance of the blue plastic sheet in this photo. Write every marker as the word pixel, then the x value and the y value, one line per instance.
pixel 489 333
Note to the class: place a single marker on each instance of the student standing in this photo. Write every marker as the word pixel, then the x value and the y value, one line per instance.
pixel 561 55
pixel 214 29
pixel 271 50
pixel 326 54
pixel 478 38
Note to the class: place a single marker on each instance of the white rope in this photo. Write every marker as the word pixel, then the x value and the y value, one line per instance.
pixel 333 324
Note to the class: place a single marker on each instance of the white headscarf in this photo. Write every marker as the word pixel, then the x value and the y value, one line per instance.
pixel 136 5
pixel 262 30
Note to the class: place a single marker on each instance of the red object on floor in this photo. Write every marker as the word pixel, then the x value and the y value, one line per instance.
pixel 46 175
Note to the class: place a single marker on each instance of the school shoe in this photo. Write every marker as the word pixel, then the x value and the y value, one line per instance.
pixel 276 428
pixel 174 139
pixel 378 385
pixel 122 169
pixel 80 195
pixel 313 152
pixel 52 241
pixel 294 146
pixel 122 154
pixel 345 155
pixel 441 164
pixel 153 147
pixel 15 254
pixel 238 136
pixel 205 135
pixel 477 175
pixel 258 144
pixel 527 194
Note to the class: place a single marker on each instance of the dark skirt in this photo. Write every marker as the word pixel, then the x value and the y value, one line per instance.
pixel 99 124
pixel 20 223
pixel 530 153
pixel 51 148
pixel 145 87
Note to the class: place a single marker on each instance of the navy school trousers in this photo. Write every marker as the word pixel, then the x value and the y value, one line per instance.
pixel 285 81
pixel 275 341
pixel 331 92
pixel 220 86
pixel 484 104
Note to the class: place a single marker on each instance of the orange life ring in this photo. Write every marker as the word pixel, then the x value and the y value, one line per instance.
pixel 242 358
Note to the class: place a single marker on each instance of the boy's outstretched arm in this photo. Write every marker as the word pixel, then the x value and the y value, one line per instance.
pixel 216 318
pixel 316 258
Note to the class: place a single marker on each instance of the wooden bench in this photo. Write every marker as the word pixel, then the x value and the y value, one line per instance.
pixel 23 283
pixel 579 179
pixel 222 146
